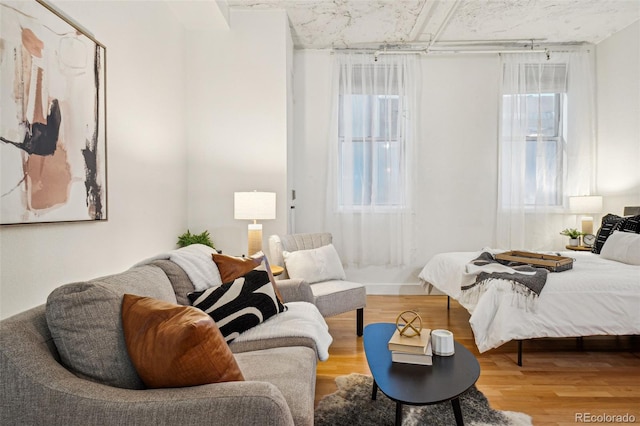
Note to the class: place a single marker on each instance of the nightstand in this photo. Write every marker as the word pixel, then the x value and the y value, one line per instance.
pixel 578 248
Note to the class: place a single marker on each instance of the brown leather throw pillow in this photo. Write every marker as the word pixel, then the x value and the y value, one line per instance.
pixel 175 346
pixel 231 267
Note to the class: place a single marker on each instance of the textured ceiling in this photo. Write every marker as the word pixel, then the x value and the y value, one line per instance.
pixel 319 24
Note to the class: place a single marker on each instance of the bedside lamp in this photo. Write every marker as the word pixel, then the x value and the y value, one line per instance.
pixel 254 206
pixel 583 205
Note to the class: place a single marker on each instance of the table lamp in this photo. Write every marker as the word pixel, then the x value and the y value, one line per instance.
pixel 254 206
pixel 583 205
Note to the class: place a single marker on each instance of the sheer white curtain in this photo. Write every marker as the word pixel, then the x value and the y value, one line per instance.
pixel 546 146
pixel 370 165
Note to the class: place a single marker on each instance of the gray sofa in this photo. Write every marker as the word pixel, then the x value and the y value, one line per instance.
pixel 37 388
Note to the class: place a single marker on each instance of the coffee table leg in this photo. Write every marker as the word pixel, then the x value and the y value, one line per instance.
pixel 398 414
pixel 457 412
pixel 374 392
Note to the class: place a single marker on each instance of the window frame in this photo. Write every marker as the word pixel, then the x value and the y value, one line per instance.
pixel 399 202
pixel 560 148
pixel 560 109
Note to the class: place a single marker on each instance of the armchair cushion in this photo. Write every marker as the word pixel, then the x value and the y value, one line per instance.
pixel 314 265
pixel 335 297
pixel 175 346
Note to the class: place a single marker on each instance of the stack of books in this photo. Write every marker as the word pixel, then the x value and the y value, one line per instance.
pixel 411 350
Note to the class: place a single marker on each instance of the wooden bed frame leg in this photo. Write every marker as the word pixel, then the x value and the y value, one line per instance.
pixel 520 353
pixel 448 302
pixel 580 343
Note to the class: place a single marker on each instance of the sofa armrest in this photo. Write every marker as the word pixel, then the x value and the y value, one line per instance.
pixel 36 389
pixel 295 290
pixel 26 399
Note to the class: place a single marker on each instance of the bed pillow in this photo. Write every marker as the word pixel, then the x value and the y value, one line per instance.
pixel 611 223
pixel 622 247
pixel 630 224
pixel 315 265
pixel 175 346
pixel 238 306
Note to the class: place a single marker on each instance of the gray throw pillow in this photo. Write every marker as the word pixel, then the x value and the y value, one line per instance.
pixel 180 281
pixel 85 322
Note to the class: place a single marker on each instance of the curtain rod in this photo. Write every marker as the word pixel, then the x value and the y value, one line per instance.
pixel 497 42
pixel 452 51
pixel 462 50
pixel 427 51
pixel 468 46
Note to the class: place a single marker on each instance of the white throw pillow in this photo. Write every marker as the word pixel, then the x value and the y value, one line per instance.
pixel 623 247
pixel 315 265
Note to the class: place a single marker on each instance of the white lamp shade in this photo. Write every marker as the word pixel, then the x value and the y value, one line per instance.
pixel 585 204
pixel 254 205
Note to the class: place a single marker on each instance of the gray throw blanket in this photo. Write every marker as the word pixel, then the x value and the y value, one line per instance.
pixel 526 281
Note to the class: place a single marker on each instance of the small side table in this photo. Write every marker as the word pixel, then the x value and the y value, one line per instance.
pixel 578 248
pixel 276 270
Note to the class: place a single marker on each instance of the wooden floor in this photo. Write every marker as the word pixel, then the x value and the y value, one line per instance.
pixel 557 382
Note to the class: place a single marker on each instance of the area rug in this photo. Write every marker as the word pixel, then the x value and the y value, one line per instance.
pixel 351 405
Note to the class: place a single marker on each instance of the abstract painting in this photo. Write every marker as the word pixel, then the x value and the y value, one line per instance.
pixel 52 117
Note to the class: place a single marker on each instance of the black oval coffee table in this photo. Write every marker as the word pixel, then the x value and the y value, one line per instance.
pixel 445 380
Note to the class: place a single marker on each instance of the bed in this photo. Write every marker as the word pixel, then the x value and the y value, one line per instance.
pixel 597 296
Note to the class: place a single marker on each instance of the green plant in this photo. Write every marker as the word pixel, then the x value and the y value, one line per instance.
pixel 188 238
pixel 571 233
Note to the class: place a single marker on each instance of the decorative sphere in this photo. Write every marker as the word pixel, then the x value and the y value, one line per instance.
pixel 409 323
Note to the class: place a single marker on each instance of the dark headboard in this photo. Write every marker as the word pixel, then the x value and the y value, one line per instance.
pixel 632 211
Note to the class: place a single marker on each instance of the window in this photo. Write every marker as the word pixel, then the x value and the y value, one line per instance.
pixel 371 163
pixel 541 116
pixel 546 144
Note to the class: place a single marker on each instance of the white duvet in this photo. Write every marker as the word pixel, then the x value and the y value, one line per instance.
pixel 596 297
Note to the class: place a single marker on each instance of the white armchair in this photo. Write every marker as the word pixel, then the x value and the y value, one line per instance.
pixel 332 297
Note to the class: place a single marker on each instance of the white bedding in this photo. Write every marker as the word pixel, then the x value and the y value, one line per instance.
pixel 596 297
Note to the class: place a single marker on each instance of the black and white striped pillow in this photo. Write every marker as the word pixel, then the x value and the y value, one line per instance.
pixel 238 306
pixel 611 223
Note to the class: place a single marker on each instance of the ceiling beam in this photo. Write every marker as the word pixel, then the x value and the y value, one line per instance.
pixel 432 20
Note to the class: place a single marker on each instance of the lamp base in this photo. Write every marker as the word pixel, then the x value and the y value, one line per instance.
pixel 587 225
pixel 255 239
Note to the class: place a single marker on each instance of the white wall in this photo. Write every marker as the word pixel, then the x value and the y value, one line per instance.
pixel 146 161
pixel 237 110
pixel 618 106
pixel 220 102
pixel 458 148
pixel 457 161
